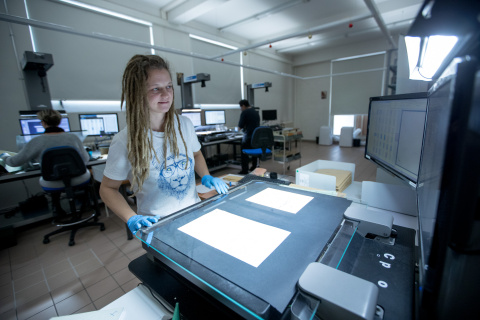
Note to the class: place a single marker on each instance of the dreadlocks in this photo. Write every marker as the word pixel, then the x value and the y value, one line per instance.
pixel 140 137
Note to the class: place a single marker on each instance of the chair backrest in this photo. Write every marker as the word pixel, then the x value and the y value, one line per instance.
pixel 63 162
pixel 262 137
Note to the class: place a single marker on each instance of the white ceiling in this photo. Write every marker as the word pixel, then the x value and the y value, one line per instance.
pixel 291 27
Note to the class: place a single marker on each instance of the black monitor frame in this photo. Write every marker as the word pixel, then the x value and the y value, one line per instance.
pixel 404 148
pixel 186 112
pixel 64 124
pixel 269 115
pixel 206 112
pixel 96 115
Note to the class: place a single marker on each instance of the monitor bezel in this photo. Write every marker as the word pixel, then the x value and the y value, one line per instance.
pixel 407 96
pixel 97 114
pixel 212 124
pixel 269 111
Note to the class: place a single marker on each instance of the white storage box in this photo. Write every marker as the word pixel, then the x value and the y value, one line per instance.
pixel 306 175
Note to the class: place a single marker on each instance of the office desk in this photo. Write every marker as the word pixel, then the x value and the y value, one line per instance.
pixel 22 175
pixel 233 141
pixel 21 219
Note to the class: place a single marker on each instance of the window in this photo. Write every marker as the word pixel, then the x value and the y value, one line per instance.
pixel 339 121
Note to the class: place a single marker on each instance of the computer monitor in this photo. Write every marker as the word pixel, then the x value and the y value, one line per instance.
pixel 269 115
pixel 99 123
pixel 194 116
pixel 34 125
pixel 395 133
pixel 447 195
pixel 214 117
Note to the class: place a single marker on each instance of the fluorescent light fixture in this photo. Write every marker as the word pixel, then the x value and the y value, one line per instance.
pixel 107 12
pixel 425 55
pixel 204 106
pixel 87 105
pixel 217 43
pixel 114 14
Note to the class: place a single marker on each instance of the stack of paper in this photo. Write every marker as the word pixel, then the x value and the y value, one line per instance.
pixel 344 177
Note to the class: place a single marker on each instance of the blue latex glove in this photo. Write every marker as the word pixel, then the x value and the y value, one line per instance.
pixel 217 183
pixel 138 221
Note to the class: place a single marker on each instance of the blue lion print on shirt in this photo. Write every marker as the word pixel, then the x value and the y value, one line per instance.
pixel 175 179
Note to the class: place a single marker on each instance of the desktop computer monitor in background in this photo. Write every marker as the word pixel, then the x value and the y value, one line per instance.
pixel 98 124
pixel 269 115
pixel 194 116
pixel 31 126
pixel 395 133
pixel 213 117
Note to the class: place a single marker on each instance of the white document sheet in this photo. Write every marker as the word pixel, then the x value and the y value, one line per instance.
pixel 280 200
pixel 245 239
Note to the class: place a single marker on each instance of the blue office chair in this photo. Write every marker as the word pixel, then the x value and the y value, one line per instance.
pixel 262 140
pixel 63 171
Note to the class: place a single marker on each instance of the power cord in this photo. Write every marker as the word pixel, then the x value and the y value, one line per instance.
pixel 167 307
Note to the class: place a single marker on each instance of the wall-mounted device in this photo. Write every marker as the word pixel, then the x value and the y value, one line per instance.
pixel 35 66
pixel 253 86
pixel 185 84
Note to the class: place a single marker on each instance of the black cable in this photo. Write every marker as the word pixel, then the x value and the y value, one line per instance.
pixel 168 308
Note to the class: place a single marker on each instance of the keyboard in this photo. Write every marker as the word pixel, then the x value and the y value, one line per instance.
pixel 252 177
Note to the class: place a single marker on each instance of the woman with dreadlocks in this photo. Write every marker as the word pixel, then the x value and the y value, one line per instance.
pixel 158 150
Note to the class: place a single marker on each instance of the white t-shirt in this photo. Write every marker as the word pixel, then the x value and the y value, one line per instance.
pixel 165 190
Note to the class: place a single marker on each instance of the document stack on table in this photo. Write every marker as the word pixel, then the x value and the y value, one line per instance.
pixel 344 177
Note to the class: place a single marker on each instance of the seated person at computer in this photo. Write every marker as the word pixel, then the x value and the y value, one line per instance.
pixel 249 121
pixel 158 151
pixel 54 136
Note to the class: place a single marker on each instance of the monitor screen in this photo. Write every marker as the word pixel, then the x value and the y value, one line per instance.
pixel 195 117
pixel 268 115
pixel 395 133
pixel 34 125
pixel 98 124
pixel 448 189
pixel 214 117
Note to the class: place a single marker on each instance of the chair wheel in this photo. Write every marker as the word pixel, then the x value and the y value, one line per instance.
pixel 102 228
pixel 71 243
pixel 46 240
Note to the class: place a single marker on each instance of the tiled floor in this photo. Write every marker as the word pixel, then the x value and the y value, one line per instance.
pixel 39 281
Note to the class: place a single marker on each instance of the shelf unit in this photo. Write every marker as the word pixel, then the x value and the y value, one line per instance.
pixel 288 146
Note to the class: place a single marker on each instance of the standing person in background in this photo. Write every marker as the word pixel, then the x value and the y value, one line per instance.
pixel 157 152
pixel 249 121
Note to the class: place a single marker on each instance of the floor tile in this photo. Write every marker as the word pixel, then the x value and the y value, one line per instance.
pixel 94 276
pixel 56 268
pixel 88 308
pixel 61 279
pixel 6 290
pixel 130 285
pixel 117 265
pixel 31 293
pixel 4 267
pixel 45 314
pixel 9 315
pixel 25 268
pixel 109 256
pixel 88 266
pixel 108 298
pixel 102 287
pixel 29 280
pixel 66 291
pixel 73 303
pixel 123 276
pixel 34 306
pixel 6 303
pixel 82 257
